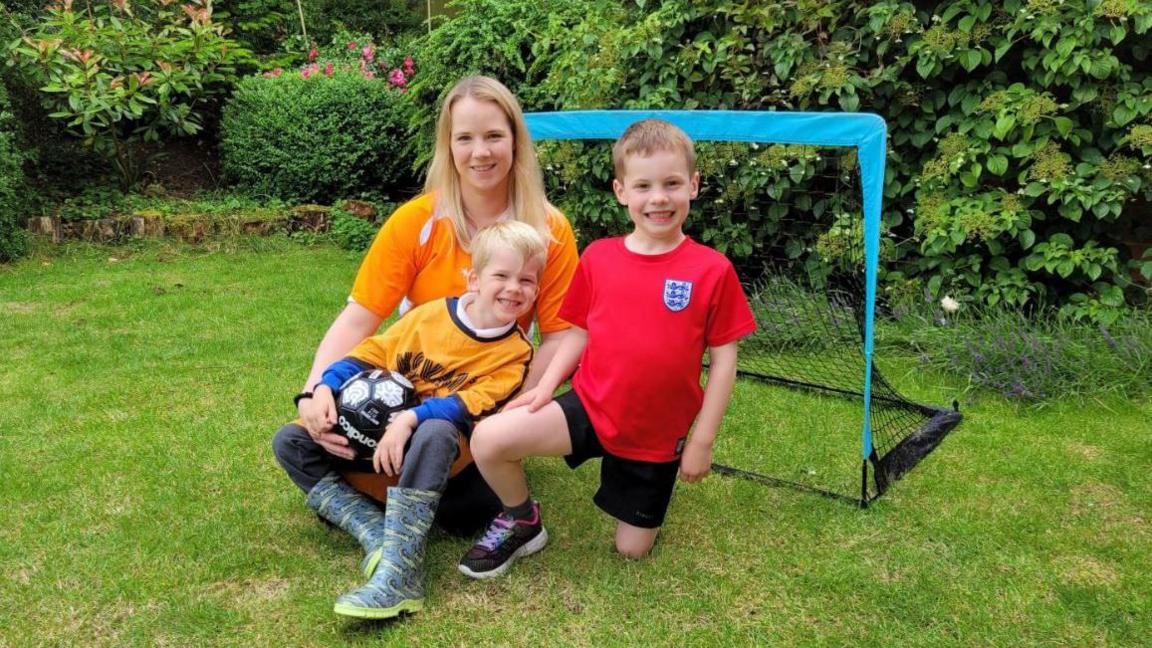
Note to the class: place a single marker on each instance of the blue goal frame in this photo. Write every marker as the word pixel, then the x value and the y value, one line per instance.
pixel 867 133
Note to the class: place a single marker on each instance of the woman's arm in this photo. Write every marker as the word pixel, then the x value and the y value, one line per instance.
pixel 351 327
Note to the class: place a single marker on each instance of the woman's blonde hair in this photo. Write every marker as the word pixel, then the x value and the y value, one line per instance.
pixel 526 197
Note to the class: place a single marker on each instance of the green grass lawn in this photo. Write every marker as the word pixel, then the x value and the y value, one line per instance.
pixel 142 506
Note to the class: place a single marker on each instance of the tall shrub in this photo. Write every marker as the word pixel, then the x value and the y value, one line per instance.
pixel 120 81
pixel 332 130
pixel 1019 130
pixel 12 237
pixel 509 41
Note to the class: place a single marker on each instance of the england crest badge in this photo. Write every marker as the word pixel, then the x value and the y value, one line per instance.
pixel 677 294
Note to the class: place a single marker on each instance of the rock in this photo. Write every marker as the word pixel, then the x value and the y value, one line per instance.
pixel 361 209
pixel 259 227
pixel 314 218
pixel 46 225
pixel 142 225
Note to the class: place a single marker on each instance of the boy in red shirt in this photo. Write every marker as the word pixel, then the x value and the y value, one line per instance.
pixel 644 309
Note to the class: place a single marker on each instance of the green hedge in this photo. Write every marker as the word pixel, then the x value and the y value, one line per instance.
pixel 315 139
pixel 1019 131
pixel 13 243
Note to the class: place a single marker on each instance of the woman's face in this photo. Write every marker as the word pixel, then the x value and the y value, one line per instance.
pixel 481 146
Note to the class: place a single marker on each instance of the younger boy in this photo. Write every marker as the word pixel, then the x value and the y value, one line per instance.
pixel 466 358
pixel 644 308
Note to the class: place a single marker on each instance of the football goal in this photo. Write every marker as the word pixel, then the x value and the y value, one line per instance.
pixel 815 412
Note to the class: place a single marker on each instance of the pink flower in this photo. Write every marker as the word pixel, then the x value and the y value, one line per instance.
pixel 328 69
pixel 309 70
pixel 369 74
pixel 312 54
pixel 352 45
pixel 409 65
pixel 397 78
pixel 277 72
pixel 368 53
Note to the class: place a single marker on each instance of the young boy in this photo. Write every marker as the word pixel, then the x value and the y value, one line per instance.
pixel 466 358
pixel 644 309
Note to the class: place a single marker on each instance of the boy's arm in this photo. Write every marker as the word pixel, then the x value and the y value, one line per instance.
pixel 696 461
pixel 559 369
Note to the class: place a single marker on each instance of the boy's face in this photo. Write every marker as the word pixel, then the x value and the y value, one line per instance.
pixel 505 288
pixel 658 190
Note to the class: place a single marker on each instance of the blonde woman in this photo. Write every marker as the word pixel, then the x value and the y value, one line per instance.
pixel 484 170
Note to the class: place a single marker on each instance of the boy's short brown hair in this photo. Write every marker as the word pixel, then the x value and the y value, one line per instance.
pixel 648 136
pixel 510 234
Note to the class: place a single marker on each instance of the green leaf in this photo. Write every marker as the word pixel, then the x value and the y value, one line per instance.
pixel 934 285
pixel 1063 125
pixel 1026 238
pixel 1071 211
pixel 1065 268
pixel 1100 69
pixel 1122 114
pixel 925 65
pixel 1022 149
pixel 1004 124
pixel 1002 49
pixel 969 59
pixel 997 164
pixel 1112 296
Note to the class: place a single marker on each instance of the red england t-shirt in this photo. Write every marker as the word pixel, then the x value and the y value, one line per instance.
pixel 650 318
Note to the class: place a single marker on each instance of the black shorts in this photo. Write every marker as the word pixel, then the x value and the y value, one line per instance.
pixel 632 491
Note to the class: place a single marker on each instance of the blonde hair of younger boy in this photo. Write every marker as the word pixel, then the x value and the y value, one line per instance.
pixel 519 237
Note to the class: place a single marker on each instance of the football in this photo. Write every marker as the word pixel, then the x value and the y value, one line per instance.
pixel 366 404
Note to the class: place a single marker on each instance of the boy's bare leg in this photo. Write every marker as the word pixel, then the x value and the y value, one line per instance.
pixel 499 444
pixel 633 541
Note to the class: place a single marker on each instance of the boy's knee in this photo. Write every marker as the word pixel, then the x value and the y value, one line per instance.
pixel 485 443
pixel 439 438
pixel 634 550
pixel 634 542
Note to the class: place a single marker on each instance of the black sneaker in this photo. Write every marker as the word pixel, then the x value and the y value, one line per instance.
pixel 504 541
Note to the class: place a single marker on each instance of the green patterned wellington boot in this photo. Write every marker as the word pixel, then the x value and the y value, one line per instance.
pixel 398 584
pixel 336 501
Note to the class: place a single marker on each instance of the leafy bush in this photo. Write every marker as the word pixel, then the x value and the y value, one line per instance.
pixel 121 81
pixel 352 233
pixel 1019 130
pixel 261 26
pixel 383 19
pixel 12 235
pixel 508 41
pixel 332 130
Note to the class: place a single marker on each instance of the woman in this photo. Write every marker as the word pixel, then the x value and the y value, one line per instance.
pixel 484 170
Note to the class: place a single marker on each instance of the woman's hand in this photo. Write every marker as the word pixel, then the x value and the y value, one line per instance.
pixel 319 414
pixel 389 456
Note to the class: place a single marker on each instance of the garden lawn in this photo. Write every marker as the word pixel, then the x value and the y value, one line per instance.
pixel 142 506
